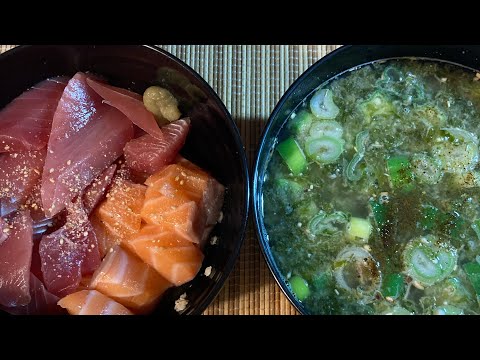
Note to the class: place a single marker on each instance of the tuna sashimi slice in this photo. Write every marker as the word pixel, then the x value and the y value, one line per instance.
pixel 87 136
pixel 178 260
pixel 4 230
pixel 149 155
pixel 96 190
pixel 26 122
pixel 69 253
pixel 42 303
pixel 19 173
pixel 129 103
pixel 127 279
pixel 92 302
pixel 15 261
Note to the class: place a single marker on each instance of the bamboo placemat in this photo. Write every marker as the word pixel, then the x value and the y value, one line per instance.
pixel 250 79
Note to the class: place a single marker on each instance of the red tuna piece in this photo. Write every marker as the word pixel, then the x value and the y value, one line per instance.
pixel 149 155
pixel 42 303
pixel 129 103
pixel 69 253
pixel 19 173
pixel 26 122
pixel 15 261
pixel 87 136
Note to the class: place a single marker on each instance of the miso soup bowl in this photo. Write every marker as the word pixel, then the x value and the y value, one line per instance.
pixel 336 63
pixel 213 143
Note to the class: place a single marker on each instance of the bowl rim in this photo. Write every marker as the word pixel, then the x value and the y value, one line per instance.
pixel 239 148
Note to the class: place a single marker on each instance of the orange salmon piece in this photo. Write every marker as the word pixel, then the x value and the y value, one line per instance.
pixel 119 213
pixel 92 302
pixel 126 279
pixel 161 246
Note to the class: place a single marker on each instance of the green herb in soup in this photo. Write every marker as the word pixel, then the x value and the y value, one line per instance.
pixel 371 199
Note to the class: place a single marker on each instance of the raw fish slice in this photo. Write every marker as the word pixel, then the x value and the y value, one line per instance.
pixel 26 122
pixel 15 261
pixel 92 302
pixel 214 198
pixel 42 303
pixel 183 215
pixel 180 182
pixel 125 278
pixel 106 241
pixel 96 190
pixel 149 155
pixel 87 136
pixel 4 230
pixel 178 260
pixel 130 104
pixel 69 253
pixel 19 173
pixel 119 213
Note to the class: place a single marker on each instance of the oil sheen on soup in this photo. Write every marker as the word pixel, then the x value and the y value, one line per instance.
pixel 371 196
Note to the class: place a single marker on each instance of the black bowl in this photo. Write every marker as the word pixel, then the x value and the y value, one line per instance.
pixel 213 143
pixel 335 63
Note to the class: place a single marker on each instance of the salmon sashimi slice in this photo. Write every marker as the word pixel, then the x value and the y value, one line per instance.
pixel 185 182
pixel 92 302
pixel 87 136
pixel 147 154
pixel 95 192
pixel 19 173
pixel 128 280
pixel 213 198
pixel 26 122
pixel 178 260
pixel 42 302
pixel 130 104
pixel 69 253
pixel 15 261
pixel 184 216
pixel 106 241
pixel 119 213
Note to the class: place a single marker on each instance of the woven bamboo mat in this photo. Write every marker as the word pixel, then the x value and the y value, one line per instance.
pixel 250 79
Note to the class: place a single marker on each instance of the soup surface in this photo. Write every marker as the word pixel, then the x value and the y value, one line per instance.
pixel 371 198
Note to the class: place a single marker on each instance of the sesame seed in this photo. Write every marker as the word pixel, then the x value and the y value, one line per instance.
pixel 182 182
pixel 61 241
pixel 51 180
pixel 111 249
pixel 51 170
pixel 7 147
pixel 69 162
pixel 299 224
pixel 208 271
pixel 85 233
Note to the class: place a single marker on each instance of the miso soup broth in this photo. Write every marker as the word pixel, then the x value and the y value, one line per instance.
pixel 371 197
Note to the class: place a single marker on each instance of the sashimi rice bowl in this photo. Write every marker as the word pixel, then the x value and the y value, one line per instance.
pixel 104 209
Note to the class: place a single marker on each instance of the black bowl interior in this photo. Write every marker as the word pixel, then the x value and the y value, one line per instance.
pixel 337 62
pixel 213 143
